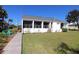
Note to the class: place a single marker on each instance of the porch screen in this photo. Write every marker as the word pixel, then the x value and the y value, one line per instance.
pixel 27 24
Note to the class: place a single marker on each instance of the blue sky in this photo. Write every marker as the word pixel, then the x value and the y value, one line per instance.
pixel 16 12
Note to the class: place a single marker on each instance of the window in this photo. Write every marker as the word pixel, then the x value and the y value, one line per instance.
pixel 27 24
pixel 46 25
pixel 37 24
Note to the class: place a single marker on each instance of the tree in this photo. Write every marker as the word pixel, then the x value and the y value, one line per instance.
pixel 3 15
pixel 10 20
pixel 73 16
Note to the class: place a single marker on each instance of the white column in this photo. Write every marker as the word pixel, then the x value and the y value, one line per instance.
pixel 33 24
pixel 50 25
pixel 42 24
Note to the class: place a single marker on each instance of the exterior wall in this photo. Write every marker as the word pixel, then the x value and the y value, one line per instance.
pixel 56 27
pixel 35 30
pixel 70 27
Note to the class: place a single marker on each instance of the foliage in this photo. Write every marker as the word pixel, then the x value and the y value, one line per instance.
pixel 19 28
pixel 10 20
pixel 63 48
pixel 62 24
pixel 73 29
pixel 64 29
pixel 14 30
pixel 12 26
pixel 7 32
pixel 3 42
pixel 73 16
pixel 3 13
pixel 2 38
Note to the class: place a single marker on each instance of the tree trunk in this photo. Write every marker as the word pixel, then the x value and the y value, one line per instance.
pixel 2 18
pixel 8 24
pixel 2 23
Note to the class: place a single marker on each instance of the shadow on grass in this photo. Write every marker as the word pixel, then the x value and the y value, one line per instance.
pixel 63 48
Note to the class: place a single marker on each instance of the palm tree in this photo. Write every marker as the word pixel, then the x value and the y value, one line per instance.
pixel 10 20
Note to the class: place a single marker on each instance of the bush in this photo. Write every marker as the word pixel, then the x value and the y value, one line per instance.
pixel 73 29
pixel 1 47
pixel 3 38
pixel 64 29
pixel 3 41
pixel 63 48
pixel 14 30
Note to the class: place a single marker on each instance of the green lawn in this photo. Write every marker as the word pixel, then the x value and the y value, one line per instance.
pixel 48 42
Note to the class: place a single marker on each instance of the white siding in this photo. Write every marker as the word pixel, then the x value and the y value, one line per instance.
pixel 35 30
pixel 56 27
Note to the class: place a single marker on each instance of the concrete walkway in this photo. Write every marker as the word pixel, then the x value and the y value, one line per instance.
pixel 14 46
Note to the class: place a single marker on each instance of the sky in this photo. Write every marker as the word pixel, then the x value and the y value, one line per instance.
pixel 15 12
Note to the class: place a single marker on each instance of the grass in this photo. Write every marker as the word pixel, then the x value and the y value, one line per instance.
pixel 47 42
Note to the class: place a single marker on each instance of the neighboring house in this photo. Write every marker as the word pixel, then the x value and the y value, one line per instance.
pixel 39 24
pixel 71 26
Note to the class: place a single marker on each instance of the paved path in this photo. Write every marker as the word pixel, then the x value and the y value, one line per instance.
pixel 14 46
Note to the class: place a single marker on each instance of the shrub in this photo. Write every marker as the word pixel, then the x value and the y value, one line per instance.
pixel 1 47
pixel 2 41
pixel 73 29
pixel 14 30
pixel 3 38
pixel 63 48
pixel 64 29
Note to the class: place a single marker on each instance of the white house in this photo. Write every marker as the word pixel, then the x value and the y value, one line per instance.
pixel 71 26
pixel 38 24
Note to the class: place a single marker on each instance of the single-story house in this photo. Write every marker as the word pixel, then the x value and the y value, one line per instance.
pixel 39 24
pixel 71 26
